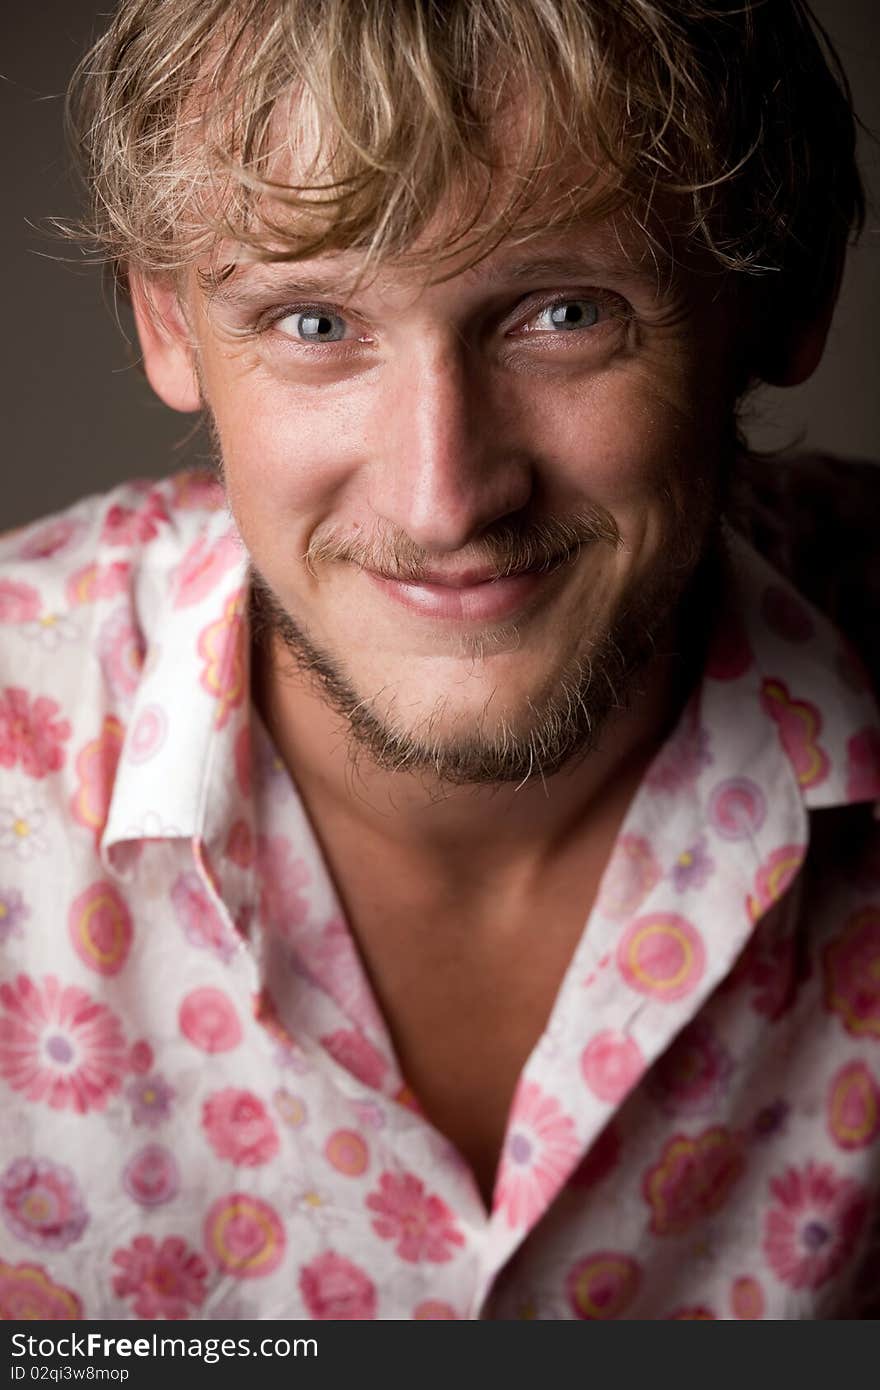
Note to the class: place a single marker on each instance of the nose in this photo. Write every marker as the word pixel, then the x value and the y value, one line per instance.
pixel 444 464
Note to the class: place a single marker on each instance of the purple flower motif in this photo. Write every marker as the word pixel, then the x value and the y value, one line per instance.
pixel 693 866
pixel 41 1203
pixel 151 1098
pixel 683 757
pixel 691 1077
pixel 151 1177
pixel 13 911
pixel 770 1121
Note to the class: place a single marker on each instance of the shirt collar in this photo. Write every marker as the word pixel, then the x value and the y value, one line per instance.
pixel 183 769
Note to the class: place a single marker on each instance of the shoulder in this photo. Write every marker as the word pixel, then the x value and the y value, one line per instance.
pixel 78 588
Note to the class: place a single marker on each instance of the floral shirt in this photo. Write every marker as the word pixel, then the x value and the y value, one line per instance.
pixel 203 1115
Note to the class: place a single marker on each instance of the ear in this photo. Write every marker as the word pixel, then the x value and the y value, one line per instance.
pixel 791 352
pixel 166 342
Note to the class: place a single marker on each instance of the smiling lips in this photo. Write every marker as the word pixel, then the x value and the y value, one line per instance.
pixel 468 596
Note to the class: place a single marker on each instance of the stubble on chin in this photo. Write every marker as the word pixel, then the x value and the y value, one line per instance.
pixel 557 728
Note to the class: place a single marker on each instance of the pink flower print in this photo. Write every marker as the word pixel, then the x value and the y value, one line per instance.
pixel 863 766
pixel 852 974
pixel 747 1299
pixel 693 867
pixel 140 1059
pixel 333 1288
pixel 611 1064
pixel 330 959
pixel 773 879
pixel 203 566
pixel 812 1231
pixel 432 1310
pixel 683 757
pixel 30 733
pixel 208 1019
pixel 151 1098
pixel 602 1286
pixel 147 735
pixel 631 873
pixel 222 645
pixel 693 1074
pixel 14 912
pixel 352 1051
pixel 59 1046
pixel 539 1152
pixel 799 724
pixel 421 1225
pixel 237 1125
pixel 19 603
pixel 662 954
pixel 100 928
pixel 347 1152
pixel 737 808
pixel 854 1107
pixel 121 652
pixel 244 1236
pixel 281 874
pixel 773 967
pixel 50 538
pixel 95 767
pixel 134 525
pixel 240 844
pixel 162 1281
pixel 151 1177
pixel 696 1312
pixel 692 1180
pixel 27 1294
pixel 601 1160
pixel 198 916
pixel 94 582
pixel 41 1203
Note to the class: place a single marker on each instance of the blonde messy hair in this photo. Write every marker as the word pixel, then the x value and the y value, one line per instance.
pixel 392 110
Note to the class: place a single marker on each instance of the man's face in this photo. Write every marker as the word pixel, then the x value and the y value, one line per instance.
pixel 472 505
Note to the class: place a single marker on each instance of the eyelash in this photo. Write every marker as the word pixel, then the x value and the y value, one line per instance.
pixel 613 306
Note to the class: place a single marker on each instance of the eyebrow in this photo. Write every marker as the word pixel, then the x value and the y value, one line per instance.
pixel 234 289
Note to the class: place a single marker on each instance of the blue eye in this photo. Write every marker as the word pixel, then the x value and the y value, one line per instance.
pixel 313 326
pixel 571 313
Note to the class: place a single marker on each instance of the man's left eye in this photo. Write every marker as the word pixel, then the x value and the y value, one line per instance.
pixel 565 315
pixel 313 326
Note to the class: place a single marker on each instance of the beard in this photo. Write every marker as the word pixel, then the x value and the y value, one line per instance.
pixel 560 725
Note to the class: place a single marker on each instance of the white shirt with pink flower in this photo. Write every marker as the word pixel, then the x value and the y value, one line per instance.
pixel 203 1113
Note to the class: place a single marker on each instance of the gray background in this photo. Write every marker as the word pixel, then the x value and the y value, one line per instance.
pixel 77 414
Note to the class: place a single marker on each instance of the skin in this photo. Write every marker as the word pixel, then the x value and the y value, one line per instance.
pixel 445 412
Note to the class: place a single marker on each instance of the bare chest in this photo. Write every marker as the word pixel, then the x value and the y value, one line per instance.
pixel 465 1010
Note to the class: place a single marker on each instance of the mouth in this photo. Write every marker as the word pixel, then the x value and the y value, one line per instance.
pixel 469 596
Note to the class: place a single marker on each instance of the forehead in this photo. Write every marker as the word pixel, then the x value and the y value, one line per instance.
pixel 505 202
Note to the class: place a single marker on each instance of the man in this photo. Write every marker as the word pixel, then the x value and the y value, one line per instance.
pixel 438 874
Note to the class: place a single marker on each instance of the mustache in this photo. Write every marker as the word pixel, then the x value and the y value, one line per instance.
pixel 507 549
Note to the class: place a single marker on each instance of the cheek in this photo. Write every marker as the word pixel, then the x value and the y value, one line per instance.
pixel 283 458
pixel 623 440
